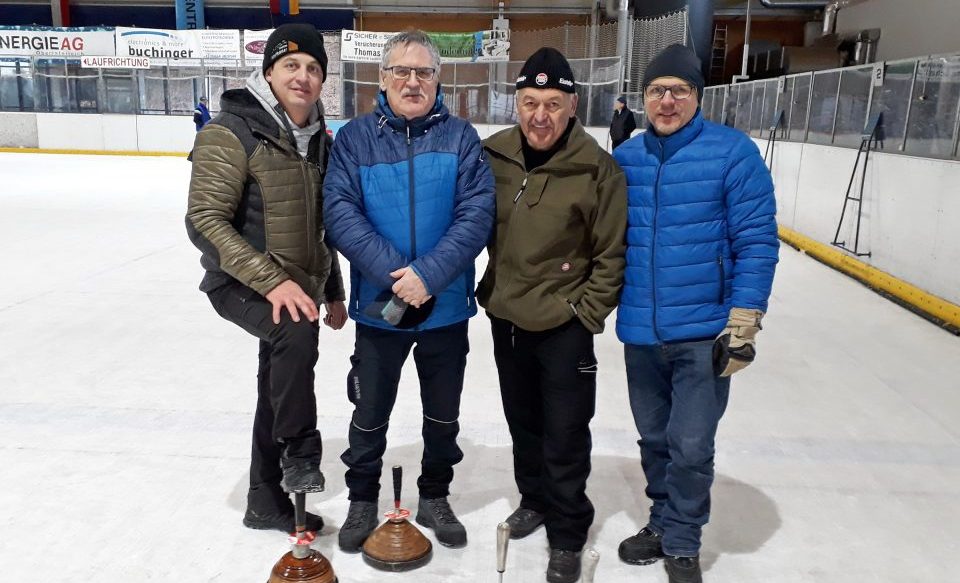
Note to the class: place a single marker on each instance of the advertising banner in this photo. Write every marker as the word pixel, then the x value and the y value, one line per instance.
pixel 55 42
pixel 360 46
pixel 180 47
pixel 454 47
pixel 253 43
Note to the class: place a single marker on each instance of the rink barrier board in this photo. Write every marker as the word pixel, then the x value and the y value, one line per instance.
pixel 91 152
pixel 938 309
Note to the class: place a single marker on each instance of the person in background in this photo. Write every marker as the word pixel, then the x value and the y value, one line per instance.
pixel 554 274
pixel 201 115
pixel 255 213
pixel 701 252
pixel 623 122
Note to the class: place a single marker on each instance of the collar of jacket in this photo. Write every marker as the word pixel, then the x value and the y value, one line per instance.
pixel 581 150
pixel 418 126
pixel 258 106
pixel 671 144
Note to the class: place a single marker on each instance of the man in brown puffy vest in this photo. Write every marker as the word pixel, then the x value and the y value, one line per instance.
pixel 255 211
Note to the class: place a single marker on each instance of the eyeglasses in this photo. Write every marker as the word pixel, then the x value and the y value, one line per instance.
pixel 400 73
pixel 658 91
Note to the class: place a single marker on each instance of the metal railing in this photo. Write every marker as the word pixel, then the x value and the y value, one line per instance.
pixel 479 92
pixel 919 100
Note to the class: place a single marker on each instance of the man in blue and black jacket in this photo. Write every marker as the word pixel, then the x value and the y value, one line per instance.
pixel 409 201
pixel 701 251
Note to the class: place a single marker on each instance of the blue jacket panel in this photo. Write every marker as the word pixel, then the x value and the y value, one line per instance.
pixel 419 194
pixel 701 232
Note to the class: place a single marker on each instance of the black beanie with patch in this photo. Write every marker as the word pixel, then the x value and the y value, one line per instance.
pixel 676 61
pixel 295 38
pixel 547 69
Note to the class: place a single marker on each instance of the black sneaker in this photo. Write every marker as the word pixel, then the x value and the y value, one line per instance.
pixel 683 569
pixel 302 477
pixel 360 522
pixel 436 513
pixel 564 566
pixel 279 521
pixel 523 521
pixel 642 548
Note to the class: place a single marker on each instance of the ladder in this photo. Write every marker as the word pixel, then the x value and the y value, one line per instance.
pixel 718 54
pixel 872 133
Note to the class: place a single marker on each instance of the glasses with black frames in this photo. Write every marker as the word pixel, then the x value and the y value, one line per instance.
pixel 401 73
pixel 680 91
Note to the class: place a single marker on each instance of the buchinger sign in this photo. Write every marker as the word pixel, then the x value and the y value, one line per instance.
pixel 55 42
pixel 180 47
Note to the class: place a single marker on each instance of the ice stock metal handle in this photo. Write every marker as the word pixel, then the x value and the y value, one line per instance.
pixel 397 484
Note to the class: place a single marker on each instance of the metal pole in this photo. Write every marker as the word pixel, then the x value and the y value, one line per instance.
pixel 19 87
pixel 906 121
pixel 836 108
pixel 623 25
pixel 746 45
pixel 590 94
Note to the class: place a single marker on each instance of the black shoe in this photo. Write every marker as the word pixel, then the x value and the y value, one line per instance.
pixel 279 521
pixel 642 548
pixel 302 477
pixel 523 521
pixel 564 566
pixel 683 569
pixel 436 513
pixel 360 522
pixel 300 462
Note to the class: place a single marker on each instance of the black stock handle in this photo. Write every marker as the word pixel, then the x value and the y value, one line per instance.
pixel 397 484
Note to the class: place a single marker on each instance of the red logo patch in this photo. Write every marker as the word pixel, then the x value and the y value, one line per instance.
pixel 541 79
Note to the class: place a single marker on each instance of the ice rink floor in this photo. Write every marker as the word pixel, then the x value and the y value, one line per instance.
pixel 126 406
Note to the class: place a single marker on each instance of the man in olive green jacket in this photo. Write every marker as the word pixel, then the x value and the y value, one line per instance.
pixel 555 271
pixel 255 211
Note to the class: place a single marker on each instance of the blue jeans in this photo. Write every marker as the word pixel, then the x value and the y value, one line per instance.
pixel 677 403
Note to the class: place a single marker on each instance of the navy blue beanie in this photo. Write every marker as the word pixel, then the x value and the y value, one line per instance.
pixel 676 61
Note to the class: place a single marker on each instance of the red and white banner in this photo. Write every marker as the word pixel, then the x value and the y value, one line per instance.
pixel 55 43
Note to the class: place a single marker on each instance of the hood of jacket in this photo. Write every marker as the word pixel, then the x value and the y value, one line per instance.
pixel 259 87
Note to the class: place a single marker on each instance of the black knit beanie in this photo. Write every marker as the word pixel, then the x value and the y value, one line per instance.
pixel 295 38
pixel 547 69
pixel 676 61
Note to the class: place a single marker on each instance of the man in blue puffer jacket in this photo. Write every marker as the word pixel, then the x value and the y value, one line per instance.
pixel 409 201
pixel 701 251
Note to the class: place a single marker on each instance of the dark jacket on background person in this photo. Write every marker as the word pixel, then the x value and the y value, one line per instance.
pixel 395 184
pixel 253 197
pixel 559 245
pixel 622 126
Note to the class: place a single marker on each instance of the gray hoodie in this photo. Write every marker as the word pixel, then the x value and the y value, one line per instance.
pixel 258 85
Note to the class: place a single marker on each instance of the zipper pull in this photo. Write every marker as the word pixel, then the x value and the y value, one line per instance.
pixel 520 192
pixel 408 133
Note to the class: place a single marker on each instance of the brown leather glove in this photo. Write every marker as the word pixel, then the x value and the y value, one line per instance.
pixel 736 347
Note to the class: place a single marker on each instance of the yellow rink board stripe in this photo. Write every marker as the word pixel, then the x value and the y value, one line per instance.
pixel 90 152
pixel 928 303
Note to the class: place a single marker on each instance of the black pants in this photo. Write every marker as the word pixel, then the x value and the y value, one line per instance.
pixel 286 402
pixel 548 382
pixel 441 356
